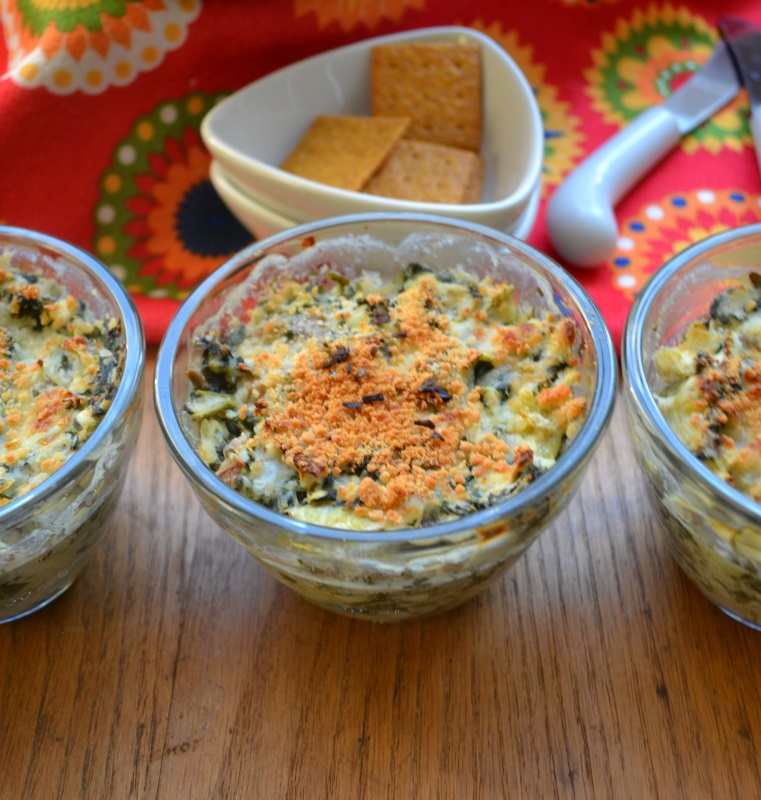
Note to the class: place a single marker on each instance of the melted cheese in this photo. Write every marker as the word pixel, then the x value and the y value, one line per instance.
pixel 58 373
pixel 385 406
pixel 711 388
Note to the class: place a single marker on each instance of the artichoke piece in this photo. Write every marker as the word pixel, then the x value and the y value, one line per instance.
pixel 203 403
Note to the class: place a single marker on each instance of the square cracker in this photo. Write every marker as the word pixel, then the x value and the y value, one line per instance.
pixel 344 151
pixel 429 173
pixel 436 84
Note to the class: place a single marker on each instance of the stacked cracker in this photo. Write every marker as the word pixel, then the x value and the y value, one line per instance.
pixel 423 139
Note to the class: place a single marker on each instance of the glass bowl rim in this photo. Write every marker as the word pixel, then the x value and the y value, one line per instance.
pixel 635 374
pixel 197 471
pixel 134 362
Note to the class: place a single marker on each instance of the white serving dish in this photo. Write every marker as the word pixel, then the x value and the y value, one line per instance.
pixel 251 132
pixel 264 222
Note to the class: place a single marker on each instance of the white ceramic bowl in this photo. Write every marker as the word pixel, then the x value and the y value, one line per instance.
pixel 263 221
pixel 253 130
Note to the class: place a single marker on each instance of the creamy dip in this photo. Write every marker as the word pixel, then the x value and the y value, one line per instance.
pixel 383 403
pixel 711 387
pixel 59 370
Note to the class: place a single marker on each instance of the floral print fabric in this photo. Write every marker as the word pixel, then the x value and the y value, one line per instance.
pixel 102 102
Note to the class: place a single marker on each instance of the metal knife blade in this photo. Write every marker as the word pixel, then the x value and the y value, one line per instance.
pixel 708 90
pixel 744 41
pixel 580 218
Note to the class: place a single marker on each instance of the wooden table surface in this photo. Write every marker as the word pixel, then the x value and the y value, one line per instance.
pixel 177 667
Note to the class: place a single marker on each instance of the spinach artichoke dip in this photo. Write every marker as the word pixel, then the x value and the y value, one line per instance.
pixel 711 387
pixel 58 375
pixel 383 403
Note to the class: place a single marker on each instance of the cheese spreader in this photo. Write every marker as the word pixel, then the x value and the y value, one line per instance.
pixel 580 214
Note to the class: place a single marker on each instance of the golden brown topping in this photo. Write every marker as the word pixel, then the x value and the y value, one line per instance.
pixel 372 397
pixel 57 375
pixel 712 388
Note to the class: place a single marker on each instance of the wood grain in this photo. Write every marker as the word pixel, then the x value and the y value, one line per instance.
pixel 176 666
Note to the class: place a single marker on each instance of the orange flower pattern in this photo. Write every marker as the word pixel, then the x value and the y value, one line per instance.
pixel 562 138
pixel 160 226
pixel 89 46
pixel 350 14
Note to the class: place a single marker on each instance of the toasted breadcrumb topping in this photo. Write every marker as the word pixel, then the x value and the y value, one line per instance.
pixel 711 387
pixel 58 373
pixel 385 405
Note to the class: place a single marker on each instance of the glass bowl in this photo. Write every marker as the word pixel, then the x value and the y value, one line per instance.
pixel 48 534
pixel 404 573
pixel 713 530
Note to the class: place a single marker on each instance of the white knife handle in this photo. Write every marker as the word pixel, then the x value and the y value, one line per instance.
pixel 580 219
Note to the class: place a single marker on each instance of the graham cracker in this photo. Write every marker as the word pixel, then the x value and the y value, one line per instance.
pixel 476 185
pixel 429 173
pixel 344 151
pixel 436 84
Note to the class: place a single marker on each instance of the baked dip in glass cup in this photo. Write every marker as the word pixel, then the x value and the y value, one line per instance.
pixel 685 411
pixel 70 410
pixel 383 571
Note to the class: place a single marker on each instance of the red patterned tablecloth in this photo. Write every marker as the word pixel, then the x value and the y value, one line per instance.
pixel 101 103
